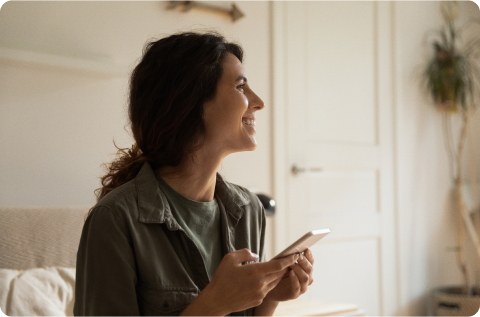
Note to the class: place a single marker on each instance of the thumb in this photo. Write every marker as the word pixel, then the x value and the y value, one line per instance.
pixel 244 255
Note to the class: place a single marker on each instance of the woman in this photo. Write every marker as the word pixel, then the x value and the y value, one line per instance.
pixel 168 235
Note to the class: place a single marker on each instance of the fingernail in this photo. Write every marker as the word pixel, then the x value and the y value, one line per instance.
pixel 301 256
pixel 296 256
pixel 254 255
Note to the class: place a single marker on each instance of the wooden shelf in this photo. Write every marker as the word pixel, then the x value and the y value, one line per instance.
pixel 65 62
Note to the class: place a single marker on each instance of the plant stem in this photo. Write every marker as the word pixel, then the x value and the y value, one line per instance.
pixel 460 205
pixel 448 142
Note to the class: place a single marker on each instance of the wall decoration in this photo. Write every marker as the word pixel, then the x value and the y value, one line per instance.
pixel 229 8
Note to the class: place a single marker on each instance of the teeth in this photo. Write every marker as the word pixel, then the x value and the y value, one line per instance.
pixel 249 122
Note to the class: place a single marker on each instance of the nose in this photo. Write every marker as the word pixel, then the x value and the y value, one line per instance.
pixel 255 101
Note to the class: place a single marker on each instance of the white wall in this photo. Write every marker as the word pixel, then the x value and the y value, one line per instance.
pixel 57 125
pixel 426 223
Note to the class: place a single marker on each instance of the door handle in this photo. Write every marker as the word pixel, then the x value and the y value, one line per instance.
pixel 296 169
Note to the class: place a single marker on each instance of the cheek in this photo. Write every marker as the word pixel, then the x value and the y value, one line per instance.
pixel 232 115
pixel 222 124
pixel 225 116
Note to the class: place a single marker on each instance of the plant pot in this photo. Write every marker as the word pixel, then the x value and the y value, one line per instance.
pixel 449 301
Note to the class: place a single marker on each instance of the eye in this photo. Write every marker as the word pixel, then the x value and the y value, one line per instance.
pixel 241 86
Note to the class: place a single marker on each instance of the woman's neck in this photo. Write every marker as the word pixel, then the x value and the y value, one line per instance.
pixel 195 178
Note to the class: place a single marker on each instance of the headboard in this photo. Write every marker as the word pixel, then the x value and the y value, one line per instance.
pixel 36 237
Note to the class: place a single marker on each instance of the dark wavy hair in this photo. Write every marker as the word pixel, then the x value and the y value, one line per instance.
pixel 168 88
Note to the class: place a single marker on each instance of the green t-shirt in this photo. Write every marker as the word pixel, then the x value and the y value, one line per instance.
pixel 201 222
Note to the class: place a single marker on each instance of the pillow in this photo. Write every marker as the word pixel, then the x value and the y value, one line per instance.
pixel 44 291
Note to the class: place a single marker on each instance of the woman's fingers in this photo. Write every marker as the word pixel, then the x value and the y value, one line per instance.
pixel 307 267
pixel 240 256
pixel 274 276
pixel 277 265
pixel 305 264
pixel 308 254
pixel 302 277
pixel 296 287
pixel 273 284
pixel 299 274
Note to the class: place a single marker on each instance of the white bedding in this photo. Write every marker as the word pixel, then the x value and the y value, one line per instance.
pixel 48 291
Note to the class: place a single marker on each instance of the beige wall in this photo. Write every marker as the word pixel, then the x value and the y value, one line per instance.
pixel 57 125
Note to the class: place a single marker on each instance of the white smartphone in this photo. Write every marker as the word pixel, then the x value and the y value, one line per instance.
pixel 309 239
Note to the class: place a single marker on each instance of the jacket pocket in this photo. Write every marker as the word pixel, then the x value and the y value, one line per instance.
pixel 164 301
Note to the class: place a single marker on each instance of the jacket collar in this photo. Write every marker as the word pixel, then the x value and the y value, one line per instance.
pixel 154 208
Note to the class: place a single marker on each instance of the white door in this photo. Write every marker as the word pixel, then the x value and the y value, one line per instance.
pixel 333 96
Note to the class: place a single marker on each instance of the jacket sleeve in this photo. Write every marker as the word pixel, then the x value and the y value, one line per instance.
pixel 106 271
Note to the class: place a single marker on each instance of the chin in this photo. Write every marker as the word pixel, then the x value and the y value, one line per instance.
pixel 249 144
pixel 252 147
pixel 247 148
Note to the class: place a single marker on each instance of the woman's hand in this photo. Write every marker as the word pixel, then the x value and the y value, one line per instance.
pixel 296 281
pixel 236 287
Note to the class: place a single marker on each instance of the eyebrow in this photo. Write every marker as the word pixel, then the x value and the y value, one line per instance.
pixel 242 78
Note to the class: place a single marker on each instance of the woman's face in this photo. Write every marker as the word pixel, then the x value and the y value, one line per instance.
pixel 230 116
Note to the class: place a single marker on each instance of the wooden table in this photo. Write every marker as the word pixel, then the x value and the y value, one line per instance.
pixel 301 307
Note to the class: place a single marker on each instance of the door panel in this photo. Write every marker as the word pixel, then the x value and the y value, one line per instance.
pixel 359 263
pixel 339 132
pixel 342 192
pixel 340 71
pixel 343 155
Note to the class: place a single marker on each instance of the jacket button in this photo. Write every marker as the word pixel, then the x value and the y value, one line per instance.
pixel 165 305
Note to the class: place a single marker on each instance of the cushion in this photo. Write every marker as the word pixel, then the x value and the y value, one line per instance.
pixel 45 291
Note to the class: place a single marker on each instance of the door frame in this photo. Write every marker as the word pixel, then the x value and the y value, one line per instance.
pixel 279 147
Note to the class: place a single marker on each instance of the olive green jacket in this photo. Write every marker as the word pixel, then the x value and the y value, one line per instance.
pixel 135 259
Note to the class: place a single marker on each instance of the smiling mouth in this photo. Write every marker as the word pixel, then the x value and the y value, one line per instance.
pixel 249 122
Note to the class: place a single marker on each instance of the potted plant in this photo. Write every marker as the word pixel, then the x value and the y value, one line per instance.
pixel 452 78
